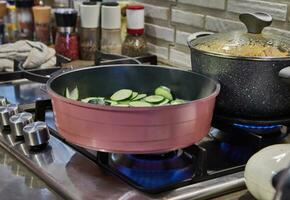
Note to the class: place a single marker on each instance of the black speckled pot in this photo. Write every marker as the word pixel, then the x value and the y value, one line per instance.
pixel 250 89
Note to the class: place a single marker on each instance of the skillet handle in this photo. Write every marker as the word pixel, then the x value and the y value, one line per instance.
pixel 196 35
pixel 285 72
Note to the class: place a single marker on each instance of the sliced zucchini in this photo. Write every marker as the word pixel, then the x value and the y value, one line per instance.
pixel 164 102
pixel 86 100
pixel 111 102
pixel 122 94
pixel 121 105
pixel 139 104
pixel 74 94
pixel 164 91
pixel 98 100
pixel 139 96
pixel 134 94
pixel 154 99
pixel 126 102
pixel 177 101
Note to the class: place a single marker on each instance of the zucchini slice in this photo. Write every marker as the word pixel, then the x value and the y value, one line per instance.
pixel 164 102
pixel 154 99
pixel 98 100
pixel 177 101
pixel 139 97
pixel 121 105
pixel 121 95
pixel 112 103
pixel 164 91
pixel 74 94
pixel 139 104
pixel 86 100
pixel 134 94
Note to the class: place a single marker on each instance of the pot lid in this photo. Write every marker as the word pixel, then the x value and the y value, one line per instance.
pixel 251 44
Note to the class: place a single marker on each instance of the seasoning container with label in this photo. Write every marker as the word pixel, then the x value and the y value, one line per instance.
pixel 2 24
pixel 11 22
pixel 135 43
pixel 89 31
pixel 25 24
pixel 111 28
pixel 42 23
pixel 66 41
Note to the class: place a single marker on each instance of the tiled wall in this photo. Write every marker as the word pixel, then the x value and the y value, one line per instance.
pixel 169 22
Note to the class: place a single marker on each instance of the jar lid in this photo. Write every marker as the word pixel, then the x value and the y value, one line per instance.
pixel 251 44
pixel 135 19
pixel 111 16
pixel 41 14
pixel 65 17
pixel 90 15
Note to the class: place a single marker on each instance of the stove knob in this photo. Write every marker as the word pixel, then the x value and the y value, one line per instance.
pixel 3 101
pixel 36 134
pixel 18 121
pixel 6 112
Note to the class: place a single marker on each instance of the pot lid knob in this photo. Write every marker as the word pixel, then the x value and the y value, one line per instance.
pixel 36 134
pixel 256 22
pixel 6 112
pixel 18 121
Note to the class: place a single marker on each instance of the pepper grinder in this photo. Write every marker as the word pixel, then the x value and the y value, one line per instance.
pixel 89 31
pixel 66 41
pixel 24 19
pixel 42 23
pixel 111 28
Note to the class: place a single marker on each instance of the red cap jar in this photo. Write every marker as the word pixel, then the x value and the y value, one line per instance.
pixel 135 19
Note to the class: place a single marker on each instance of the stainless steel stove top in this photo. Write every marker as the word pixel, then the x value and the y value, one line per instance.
pixel 74 176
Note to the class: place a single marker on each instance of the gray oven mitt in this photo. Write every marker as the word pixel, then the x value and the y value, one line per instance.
pixel 32 54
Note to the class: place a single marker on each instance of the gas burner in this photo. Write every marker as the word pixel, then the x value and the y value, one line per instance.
pixel 237 153
pixel 155 170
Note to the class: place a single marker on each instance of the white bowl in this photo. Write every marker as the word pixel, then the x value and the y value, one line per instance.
pixel 262 166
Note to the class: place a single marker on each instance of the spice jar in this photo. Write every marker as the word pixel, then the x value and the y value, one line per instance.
pixel 66 41
pixel 123 5
pixel 111 28
pixel 42 23
pixel 24 19
pixel 11 25
pixel 135 43
pixel 89 31
pixel 2 25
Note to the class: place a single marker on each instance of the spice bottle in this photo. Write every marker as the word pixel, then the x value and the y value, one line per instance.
pixel 42 23
pixel 11 22
pixel 135 43
pixel 24 19
pixel 2 25
pixel 89 31
pixel 111 28
pixel 123 5
pixel 66 41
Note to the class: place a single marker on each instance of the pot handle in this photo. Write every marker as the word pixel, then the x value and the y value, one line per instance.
pixel 285 72
pixel 196 35
pixel 256 22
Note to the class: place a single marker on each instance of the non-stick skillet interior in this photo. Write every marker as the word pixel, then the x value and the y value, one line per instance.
pixel 103 81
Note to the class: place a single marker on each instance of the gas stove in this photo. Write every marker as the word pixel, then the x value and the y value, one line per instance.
pixel 212 167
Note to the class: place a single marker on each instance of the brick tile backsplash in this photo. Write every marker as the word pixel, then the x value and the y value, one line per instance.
pixel 157 12
pixel 187 18
pixel 217 24
pixel 181 37
pixel 217 4
pixel 180 59
pixel 277 10
pixel 160 32
pixel 177 19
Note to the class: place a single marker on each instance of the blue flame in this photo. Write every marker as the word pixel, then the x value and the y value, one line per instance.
pixel 265 127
